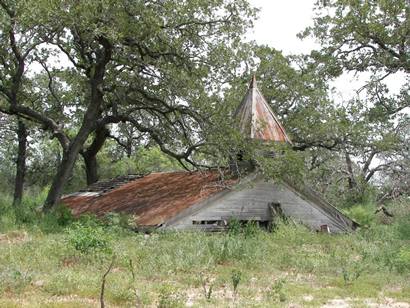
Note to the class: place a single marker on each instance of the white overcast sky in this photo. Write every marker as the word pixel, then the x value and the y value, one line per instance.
pixel 278 24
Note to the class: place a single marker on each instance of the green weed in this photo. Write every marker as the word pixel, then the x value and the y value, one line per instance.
pixel 276 292
pixel 88 238
pixel 403 259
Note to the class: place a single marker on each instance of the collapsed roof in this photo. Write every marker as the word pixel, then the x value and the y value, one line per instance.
pixel 205 200
pixel 152 199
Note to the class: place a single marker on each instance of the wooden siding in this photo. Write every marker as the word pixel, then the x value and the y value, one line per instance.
pixel 251 203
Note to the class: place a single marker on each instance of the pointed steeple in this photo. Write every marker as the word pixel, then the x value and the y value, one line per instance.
pixel 256 118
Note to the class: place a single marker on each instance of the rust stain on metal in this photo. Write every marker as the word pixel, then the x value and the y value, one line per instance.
pixel 152 199
pixel 256 118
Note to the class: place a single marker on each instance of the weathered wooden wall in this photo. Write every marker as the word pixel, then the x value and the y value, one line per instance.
pixel 251 203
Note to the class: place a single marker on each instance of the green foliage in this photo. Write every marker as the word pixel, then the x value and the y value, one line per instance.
pixel 207 286
pixel 246 228
pixel 276 292
pixel 44 265
pixel 403 260
pixel 119 221
pixel 362 213
pixel 359 27
pixel 354 37
pixel 251 229
pixel 234 226
pixel 403 227
pixel 287 164
pixel 7 215
pixel 87 237
pixel 63 215
pixel 144 160
pixel 27 214
pixel 352 273
pixel 168 102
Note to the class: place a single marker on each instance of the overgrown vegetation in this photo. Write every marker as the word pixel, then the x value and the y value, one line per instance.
pixel 96 89
pixel 62 261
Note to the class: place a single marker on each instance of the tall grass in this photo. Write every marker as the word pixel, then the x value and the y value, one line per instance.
pixel 28 214
pixel 47 255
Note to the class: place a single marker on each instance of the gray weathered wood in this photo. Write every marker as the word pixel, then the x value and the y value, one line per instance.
pixel 251 202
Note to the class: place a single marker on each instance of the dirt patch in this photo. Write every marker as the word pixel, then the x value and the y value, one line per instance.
pixel 386 303
pixel 338 303
pixel 370 302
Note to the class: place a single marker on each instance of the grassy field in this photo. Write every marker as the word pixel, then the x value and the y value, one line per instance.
pixel 52 261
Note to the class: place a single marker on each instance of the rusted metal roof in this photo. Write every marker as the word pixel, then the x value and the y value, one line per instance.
pixel 152 199
pixel 256 119
pixel 106 185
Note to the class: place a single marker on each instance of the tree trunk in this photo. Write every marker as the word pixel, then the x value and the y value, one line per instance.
pixel 129 147
pixel 20 162
pixel 66 166
pixel 69 158
pixel 91 169
pixel 61 177
pixel 88 125
pixel 90 155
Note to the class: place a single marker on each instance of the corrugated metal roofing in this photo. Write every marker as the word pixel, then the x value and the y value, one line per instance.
pixel 152 199
pixel 256 119
pixel 106 185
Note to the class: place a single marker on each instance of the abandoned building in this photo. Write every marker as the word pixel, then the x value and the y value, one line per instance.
pixel 201 200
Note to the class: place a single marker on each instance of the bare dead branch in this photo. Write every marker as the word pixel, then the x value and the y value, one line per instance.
pixel 104 277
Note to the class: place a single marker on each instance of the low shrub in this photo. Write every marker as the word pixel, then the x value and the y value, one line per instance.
pixel 25 215
pixel 87 238
pixel 234 227
pixel 363 214
pixel 248 229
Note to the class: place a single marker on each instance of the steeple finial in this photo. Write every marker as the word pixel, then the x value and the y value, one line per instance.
pixel 253 82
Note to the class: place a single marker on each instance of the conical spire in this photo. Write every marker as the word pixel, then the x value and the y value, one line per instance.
pixel 256 118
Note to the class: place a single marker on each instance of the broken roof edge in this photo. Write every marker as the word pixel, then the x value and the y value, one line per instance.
pixel 320 203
